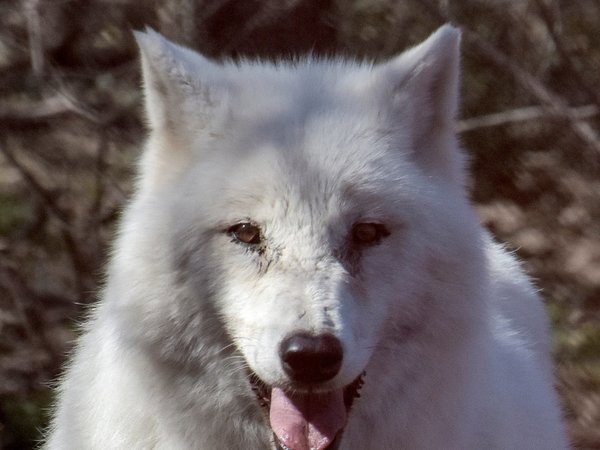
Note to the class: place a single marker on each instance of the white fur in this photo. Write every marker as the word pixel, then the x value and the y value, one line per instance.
pixel 451 333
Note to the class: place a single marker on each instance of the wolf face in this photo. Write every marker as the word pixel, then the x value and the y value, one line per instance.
pixel 303 213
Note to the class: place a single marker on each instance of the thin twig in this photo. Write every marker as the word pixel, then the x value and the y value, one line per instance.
pixel 46 196
pixel 61 102
pixel 18 294
pixel 529 82
pixel 537 88
pixel 34 34
pixel 100 169
pixel 71 101
pixel 522 115
pixel 81 262
pixel 46 108
pixel 267 13
pixel 547 16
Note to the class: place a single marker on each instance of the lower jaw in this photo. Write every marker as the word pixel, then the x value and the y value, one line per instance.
pixel 263 393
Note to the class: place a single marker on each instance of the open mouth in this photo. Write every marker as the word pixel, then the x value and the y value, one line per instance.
pixel 306 420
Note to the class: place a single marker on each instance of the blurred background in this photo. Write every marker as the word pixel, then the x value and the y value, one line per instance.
pixel 71 125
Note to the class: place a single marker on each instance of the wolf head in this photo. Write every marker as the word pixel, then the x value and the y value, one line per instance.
pixel 298 221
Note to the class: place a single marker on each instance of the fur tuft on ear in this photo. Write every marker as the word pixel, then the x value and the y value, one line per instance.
pixel 422 85
pixel 183 93
pixel 177 81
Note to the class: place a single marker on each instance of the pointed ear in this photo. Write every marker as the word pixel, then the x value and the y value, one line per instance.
pixel 184 94
pixel 422 91
pixel 172 82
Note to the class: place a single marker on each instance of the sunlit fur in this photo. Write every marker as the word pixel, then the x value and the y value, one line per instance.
pixel 451 333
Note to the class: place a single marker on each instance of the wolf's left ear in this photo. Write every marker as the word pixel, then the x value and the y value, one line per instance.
pixel 422 89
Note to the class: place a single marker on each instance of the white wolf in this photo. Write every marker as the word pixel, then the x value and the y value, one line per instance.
pixel 301 268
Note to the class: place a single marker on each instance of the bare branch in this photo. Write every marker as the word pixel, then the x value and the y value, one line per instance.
pixel 34 33
pixel 18 294
pixel 61 102
pixel 37 187
pixel 46 108
pixel 79 259
pixel 268 13
pixel 554 102
pixel 522 115
pixel 557 37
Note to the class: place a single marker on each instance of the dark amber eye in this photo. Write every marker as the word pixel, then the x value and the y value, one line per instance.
pixel 368 233
pixel 245 232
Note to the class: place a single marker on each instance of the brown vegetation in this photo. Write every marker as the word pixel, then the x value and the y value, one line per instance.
pixel 70 129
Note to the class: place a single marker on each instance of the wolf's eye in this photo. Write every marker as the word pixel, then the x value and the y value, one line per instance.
pixel 368 233
pixel 245 232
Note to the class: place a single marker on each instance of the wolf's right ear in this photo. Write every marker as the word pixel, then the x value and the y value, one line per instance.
pixel 184 95
pixel 173 89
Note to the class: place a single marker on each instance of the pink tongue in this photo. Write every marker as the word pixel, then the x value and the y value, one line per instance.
pixel 307 422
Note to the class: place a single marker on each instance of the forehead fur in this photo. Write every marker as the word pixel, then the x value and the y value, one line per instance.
pixel 316 113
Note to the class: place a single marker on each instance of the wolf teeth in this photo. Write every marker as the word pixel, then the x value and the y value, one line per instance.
pixel 351 393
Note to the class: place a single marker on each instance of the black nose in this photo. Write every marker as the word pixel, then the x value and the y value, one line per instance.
pixel 311 359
